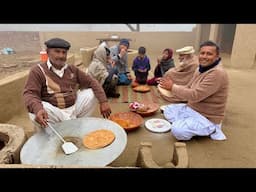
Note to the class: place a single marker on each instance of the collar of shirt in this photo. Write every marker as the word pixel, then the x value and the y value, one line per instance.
pixel 59 72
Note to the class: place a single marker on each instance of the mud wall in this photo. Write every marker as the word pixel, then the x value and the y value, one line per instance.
pixel 20 41
pixel 244 52
pixel 153 41
pixel 11 95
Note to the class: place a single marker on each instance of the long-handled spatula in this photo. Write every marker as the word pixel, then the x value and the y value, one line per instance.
pixel 67 147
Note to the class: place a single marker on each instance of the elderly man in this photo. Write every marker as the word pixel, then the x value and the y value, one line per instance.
pixel 182 73
pixel 119 55
pixel 206 95
pixel 56 91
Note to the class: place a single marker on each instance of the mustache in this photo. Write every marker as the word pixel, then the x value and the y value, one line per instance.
pixel 61 59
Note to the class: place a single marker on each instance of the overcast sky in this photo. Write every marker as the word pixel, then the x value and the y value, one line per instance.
pixel 95 27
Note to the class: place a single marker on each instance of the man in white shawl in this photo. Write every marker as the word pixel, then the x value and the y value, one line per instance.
pixel 182 73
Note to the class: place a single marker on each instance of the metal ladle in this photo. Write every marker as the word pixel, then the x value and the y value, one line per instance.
pixel 67 147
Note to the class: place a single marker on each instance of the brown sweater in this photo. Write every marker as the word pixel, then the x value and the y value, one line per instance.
pixel 206 93
pixel 60 92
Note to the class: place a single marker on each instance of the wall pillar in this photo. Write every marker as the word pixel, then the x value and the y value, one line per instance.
pixel 214 32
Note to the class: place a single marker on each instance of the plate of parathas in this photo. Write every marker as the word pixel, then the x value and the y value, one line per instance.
pixel 98 139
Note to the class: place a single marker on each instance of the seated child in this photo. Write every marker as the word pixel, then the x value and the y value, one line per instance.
pixel 141 66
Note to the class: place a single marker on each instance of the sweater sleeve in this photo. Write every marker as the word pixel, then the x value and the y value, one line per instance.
pixel 201 89
pixel 32 90
pixel 86 81
pixel 134 65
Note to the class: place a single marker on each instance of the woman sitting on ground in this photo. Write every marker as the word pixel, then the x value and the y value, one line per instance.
pixel 102 68
pixel 164 63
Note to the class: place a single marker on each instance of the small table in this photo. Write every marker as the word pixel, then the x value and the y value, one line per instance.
pixel 111 39
pixel 45 149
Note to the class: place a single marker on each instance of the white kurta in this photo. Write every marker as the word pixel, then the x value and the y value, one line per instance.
pixel 187 123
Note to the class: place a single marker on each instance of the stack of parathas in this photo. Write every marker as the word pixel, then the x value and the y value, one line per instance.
pixel 98 139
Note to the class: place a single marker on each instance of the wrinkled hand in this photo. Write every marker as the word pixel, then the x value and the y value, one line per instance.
pixel 158 80
pixel 105 109
pixel 166 83
pixel 41 117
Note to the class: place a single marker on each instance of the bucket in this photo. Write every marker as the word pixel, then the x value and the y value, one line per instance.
pixel 43 56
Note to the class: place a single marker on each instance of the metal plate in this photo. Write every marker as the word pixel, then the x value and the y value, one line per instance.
pixel 45 149
pixel 158 125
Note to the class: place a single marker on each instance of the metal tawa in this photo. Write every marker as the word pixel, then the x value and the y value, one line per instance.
pixel 45 149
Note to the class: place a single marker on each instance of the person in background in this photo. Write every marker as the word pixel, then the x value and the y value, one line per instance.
pixel 206 95
pixel 103 69
pixel 164 63
pixel 182 73
pixel 56 91
pixel 141 66
pixel 119 56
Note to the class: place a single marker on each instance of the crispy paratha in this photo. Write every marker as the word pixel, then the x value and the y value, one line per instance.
pixel 98 139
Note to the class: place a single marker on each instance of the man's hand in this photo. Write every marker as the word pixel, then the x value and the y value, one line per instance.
pixel 105 109
pixel 166 83
pixel 129 76
pixel 41 117
pixel 122 52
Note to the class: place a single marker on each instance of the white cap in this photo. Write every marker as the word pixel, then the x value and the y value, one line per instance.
pixel 186 50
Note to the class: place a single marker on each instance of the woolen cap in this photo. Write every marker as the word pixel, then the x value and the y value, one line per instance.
pixel 124 42
pixel 57 43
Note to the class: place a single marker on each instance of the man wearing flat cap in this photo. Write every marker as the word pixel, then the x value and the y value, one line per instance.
pixel 119 56
pixel 206 95
pixel 182 73
pixel 56 91
pixel 57 43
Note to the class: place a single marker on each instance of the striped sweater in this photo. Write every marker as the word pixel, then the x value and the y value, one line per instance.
pixel 44 85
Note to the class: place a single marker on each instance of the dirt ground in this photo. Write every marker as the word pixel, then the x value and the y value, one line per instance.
pixel 10 64
pixel 26 46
